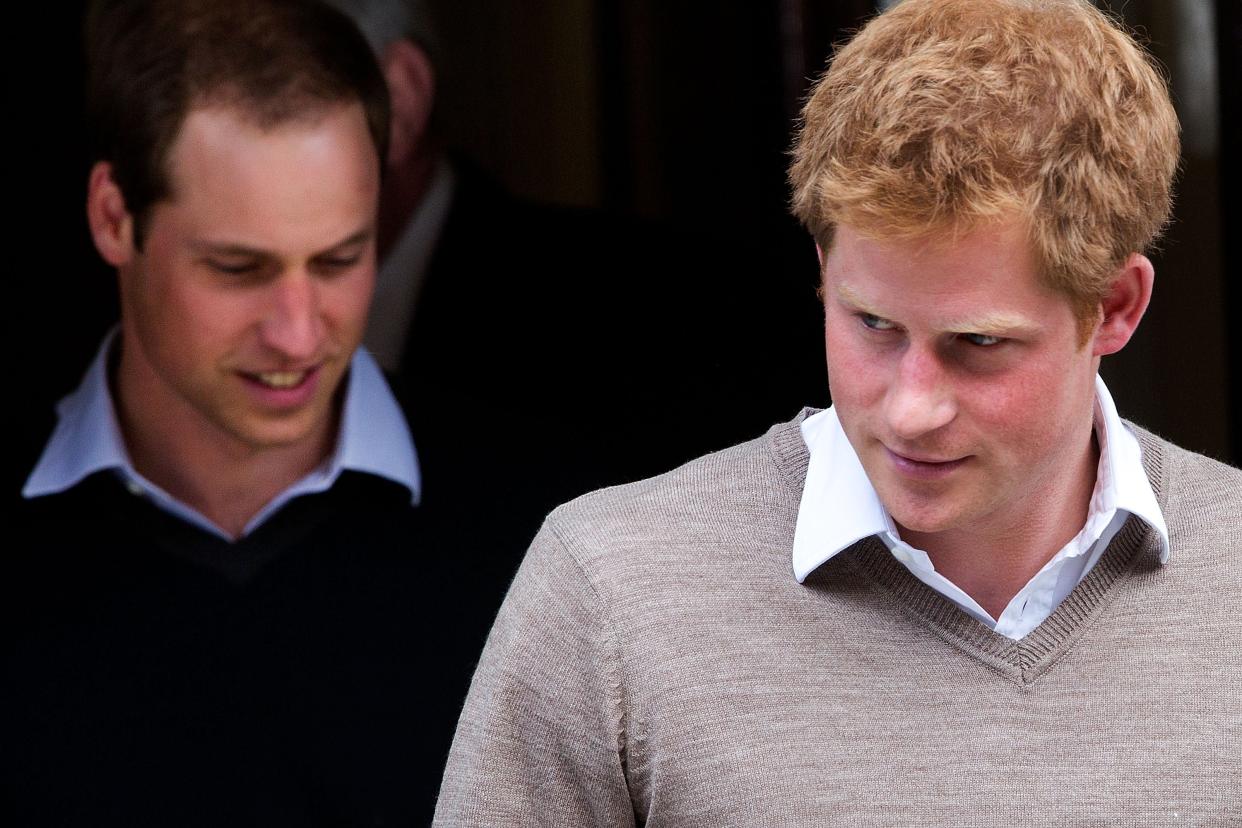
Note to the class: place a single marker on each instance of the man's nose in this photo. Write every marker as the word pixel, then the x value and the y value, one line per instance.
pixel 921 398
pixel 293 325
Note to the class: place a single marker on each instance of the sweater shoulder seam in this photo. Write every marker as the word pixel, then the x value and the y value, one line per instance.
pixel 610 641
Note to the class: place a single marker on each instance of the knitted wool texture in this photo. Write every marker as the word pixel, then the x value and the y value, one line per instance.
pixel 656 663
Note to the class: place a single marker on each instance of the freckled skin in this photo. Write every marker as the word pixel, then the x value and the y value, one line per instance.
pixel 909 382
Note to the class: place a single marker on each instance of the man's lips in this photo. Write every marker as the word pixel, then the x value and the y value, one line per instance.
pixel 924 467
pixel 283 388
pixel 280 379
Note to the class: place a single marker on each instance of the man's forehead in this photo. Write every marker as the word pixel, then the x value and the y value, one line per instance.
pixel 223 127
pixel 1000 244
pixel 979 279
pixel 214 137
pixel 299 188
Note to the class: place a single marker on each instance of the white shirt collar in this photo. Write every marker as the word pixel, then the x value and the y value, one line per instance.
pixel 373 438
pixel 403 271
pixel 1121 467
pixel 840 506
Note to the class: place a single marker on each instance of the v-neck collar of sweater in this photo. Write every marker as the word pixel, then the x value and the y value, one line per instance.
pixel 118 518
pixel 1021 661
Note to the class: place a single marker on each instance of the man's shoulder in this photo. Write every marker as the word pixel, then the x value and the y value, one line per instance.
pixel 1174 470
pixel 735 499
pixel 1201 497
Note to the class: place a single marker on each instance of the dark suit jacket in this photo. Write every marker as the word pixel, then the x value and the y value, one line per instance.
pixel 554 350
pixel 631 347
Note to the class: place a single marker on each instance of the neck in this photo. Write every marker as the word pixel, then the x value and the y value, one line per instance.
pixel 218 474
pixel 993 562
pixel 405 185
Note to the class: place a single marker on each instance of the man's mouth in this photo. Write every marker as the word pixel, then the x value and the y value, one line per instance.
pixel 924 467
pixel 281 379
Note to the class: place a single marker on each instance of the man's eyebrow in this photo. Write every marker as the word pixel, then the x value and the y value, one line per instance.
pixel 855 299
pixel 224 249
pixel 993 324
pixel 205 247
pixel 996 323
pixel 361 237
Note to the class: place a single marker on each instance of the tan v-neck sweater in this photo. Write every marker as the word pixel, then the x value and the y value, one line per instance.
pixel 656 663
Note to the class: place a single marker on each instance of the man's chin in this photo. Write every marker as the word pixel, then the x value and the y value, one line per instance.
pixel 277 433
pixel 925 515
pixel 922 526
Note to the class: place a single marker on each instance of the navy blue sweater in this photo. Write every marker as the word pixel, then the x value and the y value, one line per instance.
pixel 309 674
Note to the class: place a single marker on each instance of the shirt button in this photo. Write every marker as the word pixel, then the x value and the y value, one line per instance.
pixel 135 488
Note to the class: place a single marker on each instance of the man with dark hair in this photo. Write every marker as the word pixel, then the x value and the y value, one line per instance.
pixel 221 605
pixel 968 593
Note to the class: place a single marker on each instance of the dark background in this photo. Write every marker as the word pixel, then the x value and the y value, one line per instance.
pixel 680 113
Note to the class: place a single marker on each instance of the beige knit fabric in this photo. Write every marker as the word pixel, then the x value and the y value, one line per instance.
pixel 656 663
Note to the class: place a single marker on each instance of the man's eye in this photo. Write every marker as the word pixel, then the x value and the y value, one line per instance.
pixel 876 323
pixel 982 340
pixel 233 268
pixel 338 263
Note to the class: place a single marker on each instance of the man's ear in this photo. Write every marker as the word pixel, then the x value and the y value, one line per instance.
pixel 1124 305
pixel 412 91
pixel 112 226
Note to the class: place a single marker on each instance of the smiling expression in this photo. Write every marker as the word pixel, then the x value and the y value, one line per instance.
pixel 241 312
pixel 959 379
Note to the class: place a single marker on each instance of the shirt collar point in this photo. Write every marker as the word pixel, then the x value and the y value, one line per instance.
pixel 805 564
pixel 383 447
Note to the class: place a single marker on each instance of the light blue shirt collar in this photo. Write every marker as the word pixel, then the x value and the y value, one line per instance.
pixel 373 438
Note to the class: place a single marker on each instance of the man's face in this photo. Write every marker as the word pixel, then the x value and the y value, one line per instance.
pixel 958 378
pixel 243 309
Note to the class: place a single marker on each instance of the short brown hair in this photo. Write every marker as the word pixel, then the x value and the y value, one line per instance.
pixel 947 114
pixel 150 62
